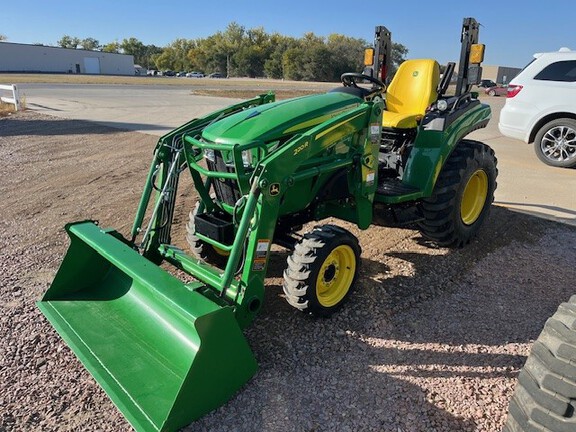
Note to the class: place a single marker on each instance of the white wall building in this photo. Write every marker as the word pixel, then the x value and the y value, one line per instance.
pixel 15 57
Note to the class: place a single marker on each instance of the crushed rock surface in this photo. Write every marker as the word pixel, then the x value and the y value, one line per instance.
pixel 432 339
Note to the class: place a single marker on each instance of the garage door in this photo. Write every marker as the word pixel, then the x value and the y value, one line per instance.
pixel 91 65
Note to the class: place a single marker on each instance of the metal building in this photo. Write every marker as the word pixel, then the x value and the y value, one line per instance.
pixel 15 57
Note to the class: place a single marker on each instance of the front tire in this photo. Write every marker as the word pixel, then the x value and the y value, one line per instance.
pixel 462 196
pixel 545 396
pixel 322 270
pixel 555 143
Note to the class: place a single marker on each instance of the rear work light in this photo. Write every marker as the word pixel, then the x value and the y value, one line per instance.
pixel 513 90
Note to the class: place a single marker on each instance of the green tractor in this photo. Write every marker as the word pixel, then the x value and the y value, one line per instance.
pixel 166 350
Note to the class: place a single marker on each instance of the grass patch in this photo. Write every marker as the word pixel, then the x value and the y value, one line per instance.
pixel 6 109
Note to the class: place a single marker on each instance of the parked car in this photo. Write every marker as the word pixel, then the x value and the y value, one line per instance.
pixel 216 75
pixel 169 73
pixel 181 74
pixel 496 91
pixel 486 83
pixel 541 107
pixel 195 75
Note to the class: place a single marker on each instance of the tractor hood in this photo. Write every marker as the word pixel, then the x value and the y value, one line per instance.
pixel 270 122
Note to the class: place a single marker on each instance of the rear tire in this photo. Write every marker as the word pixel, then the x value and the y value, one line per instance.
pixel 201 249
pixel 322 270
pixel 462 196
pixel 545 395
pixel 555 143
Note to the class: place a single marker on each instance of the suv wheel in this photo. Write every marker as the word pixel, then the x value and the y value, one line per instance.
pixel 555 143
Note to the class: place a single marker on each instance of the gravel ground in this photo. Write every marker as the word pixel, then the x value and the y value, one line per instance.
pixel 431 340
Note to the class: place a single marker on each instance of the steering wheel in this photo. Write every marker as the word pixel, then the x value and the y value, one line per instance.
pixel 350 79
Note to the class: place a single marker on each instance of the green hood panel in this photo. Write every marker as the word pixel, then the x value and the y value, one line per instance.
pixel 273 121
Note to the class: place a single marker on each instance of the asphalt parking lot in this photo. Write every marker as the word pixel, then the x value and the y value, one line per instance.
pixel 524 183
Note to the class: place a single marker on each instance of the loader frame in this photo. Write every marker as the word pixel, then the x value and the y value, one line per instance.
pixel 264 188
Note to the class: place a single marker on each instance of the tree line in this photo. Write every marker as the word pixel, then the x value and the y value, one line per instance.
pixel 241 52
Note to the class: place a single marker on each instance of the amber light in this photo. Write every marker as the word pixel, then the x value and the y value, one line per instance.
pixel 368 56
pixel 477 53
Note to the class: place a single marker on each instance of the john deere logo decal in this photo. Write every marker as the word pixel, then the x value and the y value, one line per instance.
pixel 274 189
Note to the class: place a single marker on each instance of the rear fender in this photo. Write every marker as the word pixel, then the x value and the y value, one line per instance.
pixel 433 147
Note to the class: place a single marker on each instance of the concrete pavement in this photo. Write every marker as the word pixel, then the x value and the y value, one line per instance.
pixel 524 183
pixel 145 109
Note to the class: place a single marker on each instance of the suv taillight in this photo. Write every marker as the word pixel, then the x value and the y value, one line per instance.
pixel 513 90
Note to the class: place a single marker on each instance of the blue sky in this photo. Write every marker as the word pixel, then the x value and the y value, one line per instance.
pixel 512 30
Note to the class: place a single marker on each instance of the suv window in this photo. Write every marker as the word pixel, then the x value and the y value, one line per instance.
pixel 559 71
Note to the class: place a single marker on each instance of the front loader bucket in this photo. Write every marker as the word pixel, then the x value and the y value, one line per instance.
pixel 164 353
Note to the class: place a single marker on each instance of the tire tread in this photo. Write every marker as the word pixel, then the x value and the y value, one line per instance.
pixel 545 394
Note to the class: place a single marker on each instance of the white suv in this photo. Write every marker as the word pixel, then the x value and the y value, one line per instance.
pixel 541 107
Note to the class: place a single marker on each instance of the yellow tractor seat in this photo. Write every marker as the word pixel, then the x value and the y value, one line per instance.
pixel 412 90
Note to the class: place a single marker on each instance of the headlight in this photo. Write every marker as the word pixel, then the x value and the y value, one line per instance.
pixel 247 158
pixel 442 105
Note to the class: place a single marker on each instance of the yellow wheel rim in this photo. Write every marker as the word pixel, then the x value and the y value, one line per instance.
pixel 336 276
pixel 474 197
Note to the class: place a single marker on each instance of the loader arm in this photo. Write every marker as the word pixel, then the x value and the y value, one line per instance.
pixel 166 154
pixel 258 210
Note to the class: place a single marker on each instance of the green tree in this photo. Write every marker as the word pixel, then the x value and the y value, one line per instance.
pixel 68 42
pixel 112 47
pixel 209 55
pixel 254 49
pixel 398 54
pixel 273 66
pixel 229 52
pixel 319 64
pixel 292 62
pixel 310 62
pixel 175 56
pixel 237 51
pixel 231 42
pixel 164 60
pixel 179 54
pixel 90 44
pixel 199 55
pixel 249 61
pixel 346 54
pixel 134 47
pixel 151 52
